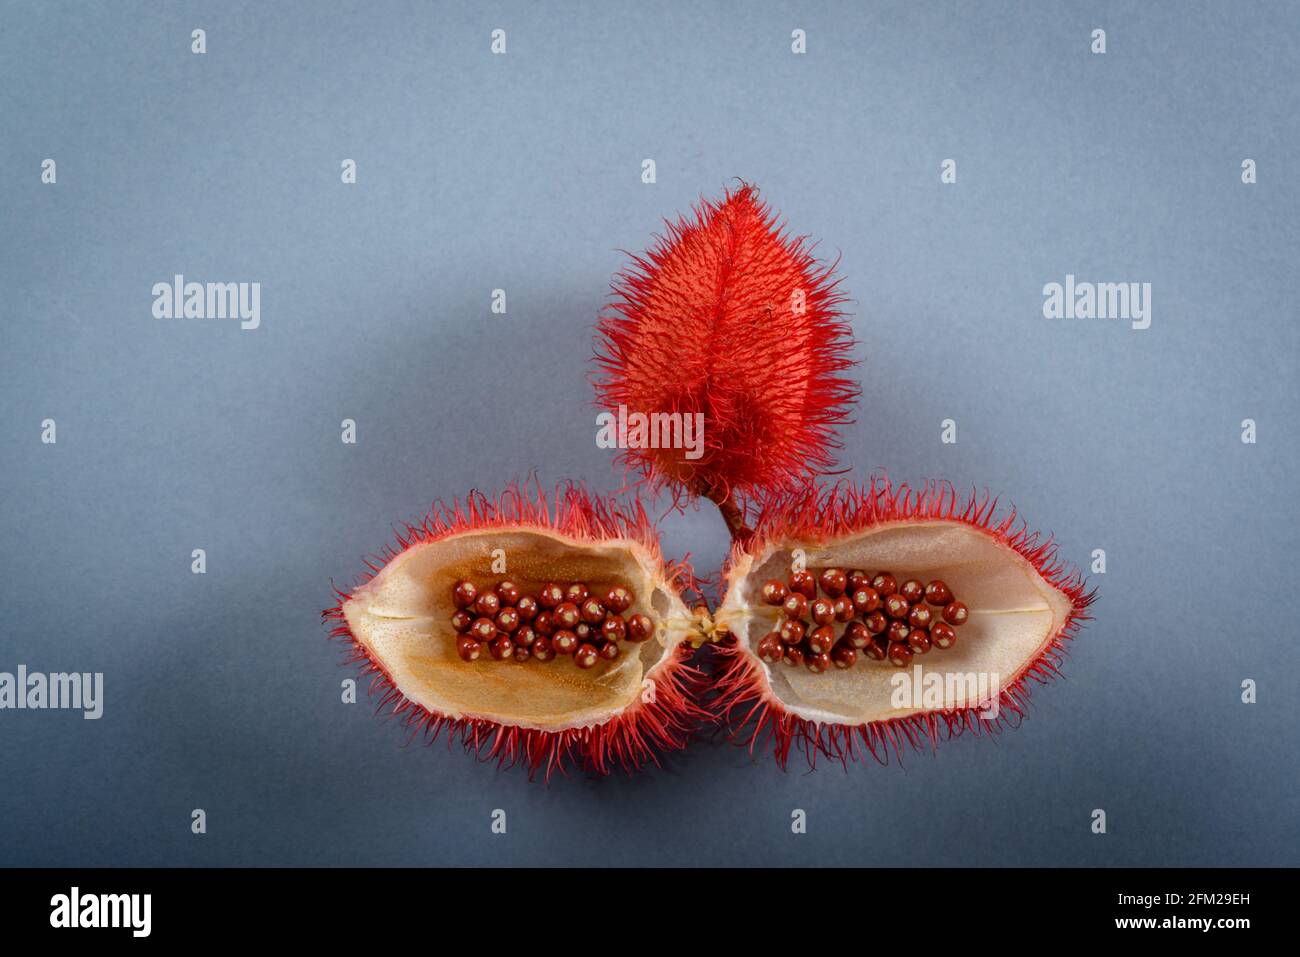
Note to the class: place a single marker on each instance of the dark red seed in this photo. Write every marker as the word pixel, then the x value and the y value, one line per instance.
pixel 918 639
pixel 843 608
pixel 483 629
pixel 527 608
pixel 613 629
pixel 856 634
pixel 508 592
pixel 793 656
pixel 564 641
pixel 524 635
pixel 609 650
pixel 833 581
pixel 544 623
pixel 919 617
pixel 898 631
pixel 542 650
pixel 550 595
pixel 567 615
pixel 521 652
pixel 618 599
pixel 955 613
pixel 468 648
pixel 502 647
pixel 507 620
pixel 463 593
pixel 818 663
pixel 859 579
pixel 488 604
pixel 586 656
pixel 577 593
pixel 821 640
pixel 937 593
pixel 793 631
pixel 885 583
pixel 899 654
pixel 804 583
pixel 774 592
pixel 770 649
pixel 866 600
pixel 896 606
pixel 592 611
pixel 796 605
pixel 878 649
pixel 912 590
pixel 876 622
pixel 822 610
pixel 462 620
pixel 583 631
pixel 640 627
pixel 844 655
pixel 943 634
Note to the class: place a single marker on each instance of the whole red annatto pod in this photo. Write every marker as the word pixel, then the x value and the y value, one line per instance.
pixel 731 318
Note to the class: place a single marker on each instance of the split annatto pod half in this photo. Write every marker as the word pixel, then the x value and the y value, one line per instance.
pixel 536 632
pixel 956 607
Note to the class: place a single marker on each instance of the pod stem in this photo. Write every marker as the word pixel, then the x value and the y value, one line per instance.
pixel 732 513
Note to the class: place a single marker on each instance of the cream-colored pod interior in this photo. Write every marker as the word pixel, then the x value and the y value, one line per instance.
pixel 1014 614
pixel 402 619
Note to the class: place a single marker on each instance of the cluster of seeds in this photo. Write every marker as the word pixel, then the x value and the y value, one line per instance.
pixel 558 620
pixel 879 617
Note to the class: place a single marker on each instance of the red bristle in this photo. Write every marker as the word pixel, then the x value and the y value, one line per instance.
pixel 628 740
pixel 743 695
pixel 570 510
pixel 730 316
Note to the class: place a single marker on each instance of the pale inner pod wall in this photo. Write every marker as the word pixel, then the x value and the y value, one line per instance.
pixel 402 618
pixel 1014 614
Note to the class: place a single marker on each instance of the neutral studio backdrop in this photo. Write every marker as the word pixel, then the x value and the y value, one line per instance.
pixel 522 172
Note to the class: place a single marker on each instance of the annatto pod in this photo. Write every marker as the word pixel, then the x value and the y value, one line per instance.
pixel 866 619
pixel 731 318
pixel 536 631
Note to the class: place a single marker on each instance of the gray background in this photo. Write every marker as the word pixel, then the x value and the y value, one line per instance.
pixel 523 172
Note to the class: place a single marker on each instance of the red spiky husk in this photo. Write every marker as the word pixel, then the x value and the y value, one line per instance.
pixel 710 320
pixel 630 739
pixel 742 694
